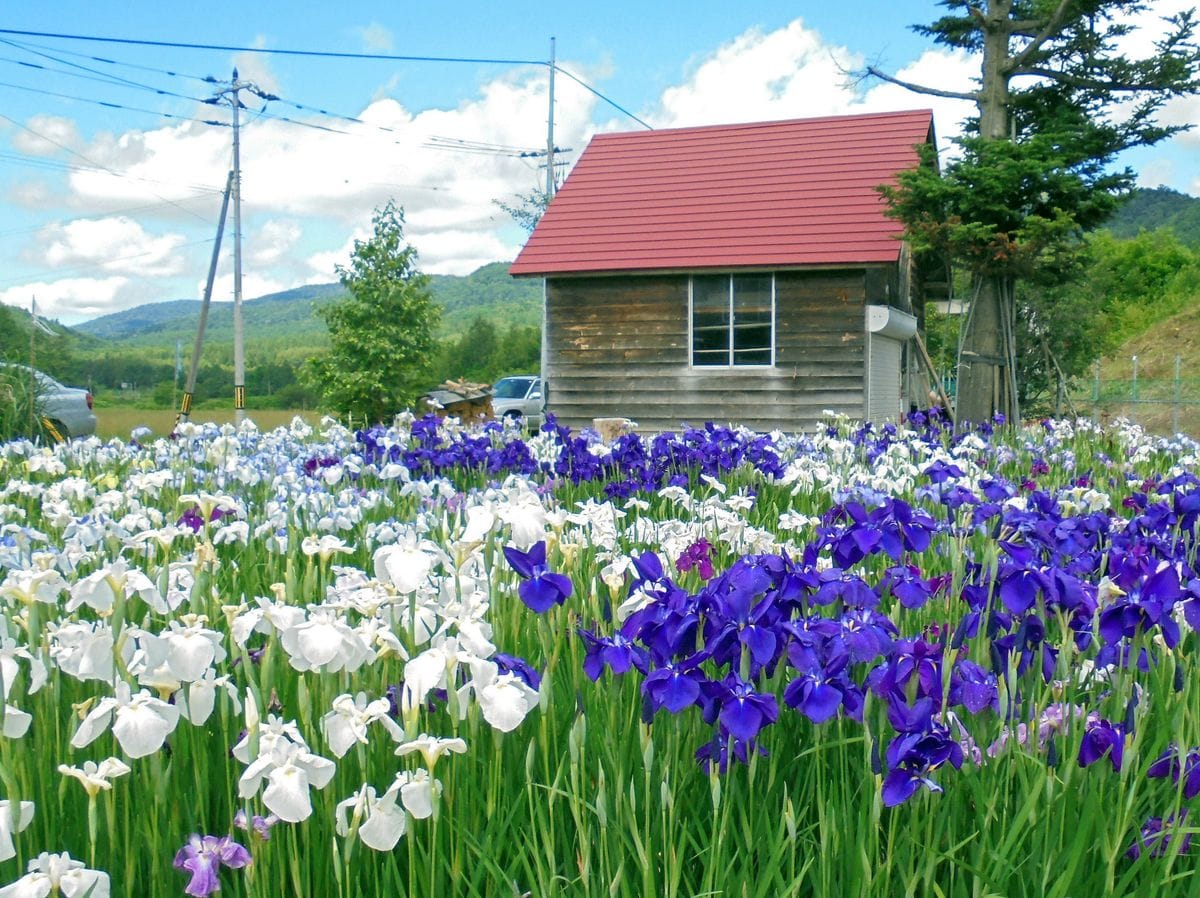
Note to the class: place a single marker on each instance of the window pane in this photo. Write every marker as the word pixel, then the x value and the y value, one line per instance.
pixel 710 320
pixel 752 317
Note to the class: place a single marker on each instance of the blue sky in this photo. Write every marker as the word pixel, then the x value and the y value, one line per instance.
pixel 109 206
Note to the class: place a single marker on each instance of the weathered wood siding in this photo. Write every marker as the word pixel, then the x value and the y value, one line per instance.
pixel 618 347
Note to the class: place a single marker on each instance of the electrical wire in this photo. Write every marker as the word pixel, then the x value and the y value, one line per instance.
pixel 207 79
pixel 102 266
pixel 206 195
pixel 93 74
pixel 108 105
pixel 328 54
pixel 93 162
pixel 58 165
pixel 613 103
pixel 325 54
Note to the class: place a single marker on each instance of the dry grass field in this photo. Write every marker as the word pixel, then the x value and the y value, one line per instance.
pixel 119 422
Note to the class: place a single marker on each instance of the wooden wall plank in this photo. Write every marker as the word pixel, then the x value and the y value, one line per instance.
pixel 618 347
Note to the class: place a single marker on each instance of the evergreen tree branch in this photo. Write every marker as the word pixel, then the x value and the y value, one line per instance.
pixel 1051 28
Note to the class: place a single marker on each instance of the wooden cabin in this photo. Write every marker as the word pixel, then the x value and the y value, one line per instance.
pixel 734 273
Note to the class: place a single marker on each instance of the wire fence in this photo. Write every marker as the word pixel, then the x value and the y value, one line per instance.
pixel 1163 402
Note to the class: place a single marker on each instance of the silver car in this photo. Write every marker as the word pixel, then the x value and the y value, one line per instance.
pixel 67 409
pixel 519 396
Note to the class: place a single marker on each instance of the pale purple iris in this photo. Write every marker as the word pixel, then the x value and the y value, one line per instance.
pixel 203 857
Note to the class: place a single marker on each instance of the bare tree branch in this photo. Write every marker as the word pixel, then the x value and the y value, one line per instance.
pixel 921 88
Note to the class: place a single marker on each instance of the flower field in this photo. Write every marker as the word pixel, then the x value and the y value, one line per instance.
pixel 429 660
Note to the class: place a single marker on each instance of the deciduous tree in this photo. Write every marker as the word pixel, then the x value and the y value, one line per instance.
pixel 381 336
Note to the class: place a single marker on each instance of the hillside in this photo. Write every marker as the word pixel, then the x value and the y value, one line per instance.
pixel 280 317
pixel 1159 207
pixel 290 319
pixel 1156 350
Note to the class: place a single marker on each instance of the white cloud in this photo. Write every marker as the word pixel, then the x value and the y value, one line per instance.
pixel 1156 173
pixel 273 242
pixel 760 76
pixel 45 135
pixel 461 252
pixel 376 38
pixel 70 298
pixel 118 245
pixel 32 194
pixel 253 286
pixel 793 73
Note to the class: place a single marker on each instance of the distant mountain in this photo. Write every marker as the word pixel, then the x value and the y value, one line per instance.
pixel 1159 207
pixel 489 292
pixel 290 317
pixel 287 314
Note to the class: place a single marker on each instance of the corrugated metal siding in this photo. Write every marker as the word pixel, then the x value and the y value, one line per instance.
pixel 758 195
pixel 619 348
pixel 883 400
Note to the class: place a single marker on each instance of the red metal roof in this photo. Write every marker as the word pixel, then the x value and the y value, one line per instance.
pixel 772 194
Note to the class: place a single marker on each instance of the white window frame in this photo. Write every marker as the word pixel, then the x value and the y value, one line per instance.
pixel 729 276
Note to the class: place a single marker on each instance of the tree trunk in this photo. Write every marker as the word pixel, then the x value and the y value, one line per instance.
pixel 983 365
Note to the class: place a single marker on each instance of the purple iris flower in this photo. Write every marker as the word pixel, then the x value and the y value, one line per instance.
pixel 973 687
pixel 616 653
pixel 721 748
pixel 259 824
pixel 741 711
pixel 519 666
pixel 1149 606
pixel 541 589
pixel 905 582
pixel 1155 837
pixel 194 520
pixel 867 634
pixel 697 556
pixel 912 757
pixel 1168 764
pixel 203 857
pixel 1099 738
pixel 823 686
pixel 674 686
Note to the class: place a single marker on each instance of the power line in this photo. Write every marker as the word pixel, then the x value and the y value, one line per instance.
pixel 102 265
pixel 329 54
pixel 613 103
pixel 108 105
pixel 92 162
pixel 205 194
pixel 59 165
pixel 25 45
pixel 94 74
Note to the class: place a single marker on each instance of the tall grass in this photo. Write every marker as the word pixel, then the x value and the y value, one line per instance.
pixel 585 797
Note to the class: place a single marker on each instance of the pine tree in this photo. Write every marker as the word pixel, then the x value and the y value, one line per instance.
pixel 1058 100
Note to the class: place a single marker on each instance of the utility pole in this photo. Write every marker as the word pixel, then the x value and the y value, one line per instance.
pixel 544 361
pixel 239 350
pixel 239 354
pixel 189 389
pixel 550 132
